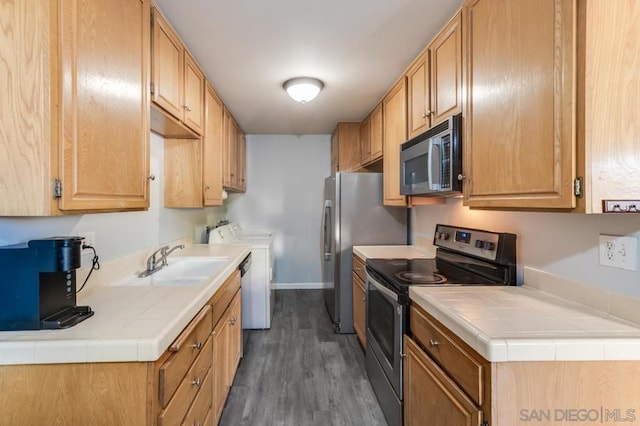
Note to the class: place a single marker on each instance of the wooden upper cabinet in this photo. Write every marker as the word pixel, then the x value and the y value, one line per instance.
pixel 608 125
pixel 193 94
pixel 177 84
pixel 242 161
pixel 376 136
pixel 233 155
pixel 418 114
pixel 168 67
pixel 519 144
pixel 371 137
pixel 394 113
pixel 445 53
pixel 346 138
pixel 365 140
pixel 212 149
pixel 104 108
pixel 80 115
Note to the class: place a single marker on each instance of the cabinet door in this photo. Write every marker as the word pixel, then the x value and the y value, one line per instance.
pixel 365 141
pixel 430 397
pixel 418 115
pixel 193 94
pixel 220 361
pixel 446 71
pixel 359 309
pixel 212 149
pixel 242 161
pixel 520 135
pixel 168 67
pixel 183 173
pixel 335 154
pixel 104 50
pixel 226 148
pixel 26 114
pixel 233 155
pixel 376 133
pixel 235 338
pixel 395 133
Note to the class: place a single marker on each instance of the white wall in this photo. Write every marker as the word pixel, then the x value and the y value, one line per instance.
pixel 285 186
pixel 565 244
pixel 119 234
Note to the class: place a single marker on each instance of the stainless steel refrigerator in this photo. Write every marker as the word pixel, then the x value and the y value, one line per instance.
pixel 353 215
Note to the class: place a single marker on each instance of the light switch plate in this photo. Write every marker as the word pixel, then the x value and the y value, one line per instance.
pixel 619 252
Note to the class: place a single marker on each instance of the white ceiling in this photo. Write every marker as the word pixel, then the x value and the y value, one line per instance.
pixel 248 48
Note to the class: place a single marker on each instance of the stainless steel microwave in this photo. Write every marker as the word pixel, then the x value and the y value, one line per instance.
pixel 431 163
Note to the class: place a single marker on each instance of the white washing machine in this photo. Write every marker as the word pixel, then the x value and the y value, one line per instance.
pixel 258 296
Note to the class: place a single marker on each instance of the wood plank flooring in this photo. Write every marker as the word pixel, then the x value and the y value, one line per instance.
pixel 300 372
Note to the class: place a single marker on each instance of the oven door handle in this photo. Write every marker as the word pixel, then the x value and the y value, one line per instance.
pixel 382 289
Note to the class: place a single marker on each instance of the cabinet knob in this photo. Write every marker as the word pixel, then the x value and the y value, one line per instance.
pixel 197 345
pixel 461 176
pixel 196 382
pixel 424 115
pixel 187 107
pixel 434 343
pixel 206 188
pixel 364 298
pixel 151 177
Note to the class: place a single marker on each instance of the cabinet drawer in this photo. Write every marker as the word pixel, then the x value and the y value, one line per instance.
pixel 199 410
pixel 359 268
pixel 221 299
pixel 464 369
pixel 186 348
pixel 194 383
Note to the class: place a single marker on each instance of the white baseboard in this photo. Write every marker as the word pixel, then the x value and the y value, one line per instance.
pixel 297 286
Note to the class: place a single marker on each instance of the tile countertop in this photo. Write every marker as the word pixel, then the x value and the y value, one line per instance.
pixel 527 324
pixel 131 323
pixel 390 252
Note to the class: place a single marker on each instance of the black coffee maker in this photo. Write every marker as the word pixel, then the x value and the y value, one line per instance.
pixel 38 284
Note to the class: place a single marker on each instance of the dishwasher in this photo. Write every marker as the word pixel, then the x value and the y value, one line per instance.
pixel 245 280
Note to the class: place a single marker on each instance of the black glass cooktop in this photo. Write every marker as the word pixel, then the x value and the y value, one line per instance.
pixel 402 273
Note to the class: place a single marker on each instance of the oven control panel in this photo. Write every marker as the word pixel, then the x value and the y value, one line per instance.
pixel 494 246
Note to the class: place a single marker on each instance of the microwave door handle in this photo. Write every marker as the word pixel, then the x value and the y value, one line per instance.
pixel 435 162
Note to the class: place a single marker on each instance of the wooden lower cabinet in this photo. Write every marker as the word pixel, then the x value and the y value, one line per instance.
pixel 188 384
pixel 431 397
pixel 359 309
pixel 227 351
pixel 359 299
pixel 446 382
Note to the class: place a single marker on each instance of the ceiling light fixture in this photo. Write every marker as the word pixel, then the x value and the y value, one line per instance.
pixel 303 89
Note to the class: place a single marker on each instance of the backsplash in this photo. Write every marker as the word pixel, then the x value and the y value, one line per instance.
pixel 564 244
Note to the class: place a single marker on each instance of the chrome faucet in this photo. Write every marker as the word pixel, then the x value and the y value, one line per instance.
pixel 155 264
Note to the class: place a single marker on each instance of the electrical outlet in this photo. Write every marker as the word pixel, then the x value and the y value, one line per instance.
pixel 619 252
pixel 89 240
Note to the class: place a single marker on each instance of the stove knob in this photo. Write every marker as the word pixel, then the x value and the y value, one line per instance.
pixel 488 245
pixel 479 244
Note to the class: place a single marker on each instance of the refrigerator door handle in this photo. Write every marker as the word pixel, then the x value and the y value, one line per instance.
pixel 327 226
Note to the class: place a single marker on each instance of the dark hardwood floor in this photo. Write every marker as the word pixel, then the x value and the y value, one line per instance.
pixel 300 372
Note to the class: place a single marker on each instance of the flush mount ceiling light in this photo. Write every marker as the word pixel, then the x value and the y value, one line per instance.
pixel 303 89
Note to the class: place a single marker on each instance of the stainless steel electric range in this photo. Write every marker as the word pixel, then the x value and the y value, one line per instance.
pixel 464 256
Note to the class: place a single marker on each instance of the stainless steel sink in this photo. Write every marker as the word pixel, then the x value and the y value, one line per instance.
pixel 184 271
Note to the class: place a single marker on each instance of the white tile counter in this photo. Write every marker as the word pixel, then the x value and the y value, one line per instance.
pixel 527 324
pixel 131 323
pixel 391 252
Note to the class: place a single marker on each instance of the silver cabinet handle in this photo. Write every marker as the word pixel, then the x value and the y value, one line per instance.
pixel 364 298
pixel 196 382
pixel 434 343
pixel 461 176
pixel 187 107
pixel 197 345
pixel 425 115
